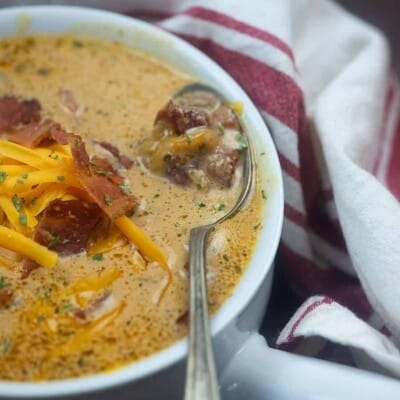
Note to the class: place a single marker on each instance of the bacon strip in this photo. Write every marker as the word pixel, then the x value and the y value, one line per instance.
pixel 34 133
pixel 14 112
pixel 109 196
pixel 65 226
pixel 124 160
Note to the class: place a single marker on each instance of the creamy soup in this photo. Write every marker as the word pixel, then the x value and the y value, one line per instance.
pixel 114 301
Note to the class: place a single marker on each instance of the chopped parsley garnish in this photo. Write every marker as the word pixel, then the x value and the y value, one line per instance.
pixel 103 172
pixel 157 195
pixel 54 239
pixel 43 71
pixel 3 176
pixel 54 156
pixel 201 204
pixel 77 43
pixel 125 188
pixel 241 140
pixel 6 346
pixel 221 207
pixel 264 196
pixel 65 307
pixel 198 186
pixel 107 199
pixel 188 138
pixel 24 175
pixel 97 257
pixel 33 201
pixel 60 178
pixel 3 282
pixel 18 202
pixel 221 129
pixel 23 219
pixel 20 181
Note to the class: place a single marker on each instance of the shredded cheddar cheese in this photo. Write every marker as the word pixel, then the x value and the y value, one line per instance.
pixel 19 243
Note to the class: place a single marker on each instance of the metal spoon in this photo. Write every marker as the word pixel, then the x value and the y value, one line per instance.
pixel 201 376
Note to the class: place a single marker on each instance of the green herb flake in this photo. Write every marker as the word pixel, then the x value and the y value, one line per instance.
pixel 33 201
pixel 54 240
pixel 225 257
pixel 3 176
pixel 107 199
pixel 24 175
pixel 221 207
pixel 23 219
pixel 221 130
pixel 97 257
pixel 201 204
pixel 3 282
pixel 20 181
pixel 60 178
pixel 18 202
pixel 125 188
pixel 43 71
pixel 188 138
pixel 198 186
pixel 242 143
pixel 264 196
pixel 104 172
pixel 157 195
pixel 65 307
pixel 77 43
pixel 6 346
pixel 40 318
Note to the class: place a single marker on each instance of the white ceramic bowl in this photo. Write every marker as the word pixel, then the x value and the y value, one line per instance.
pixel 160 367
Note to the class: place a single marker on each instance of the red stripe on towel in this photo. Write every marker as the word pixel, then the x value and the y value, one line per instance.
pixel 239 26
pixel 313 280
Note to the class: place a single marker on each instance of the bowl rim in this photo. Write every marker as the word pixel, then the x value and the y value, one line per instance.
pixel 242 296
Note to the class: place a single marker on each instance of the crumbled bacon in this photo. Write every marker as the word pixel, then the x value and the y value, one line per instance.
pixel 34 133
pixel 14 112
pixel 200 100
pixel 225 117
pixel 27 267
pixel 124 160
pixel 65 226
pixel 6 295
pixel 181 118
pixel 221 165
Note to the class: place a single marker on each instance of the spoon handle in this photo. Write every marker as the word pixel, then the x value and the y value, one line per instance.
pixel 201 377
